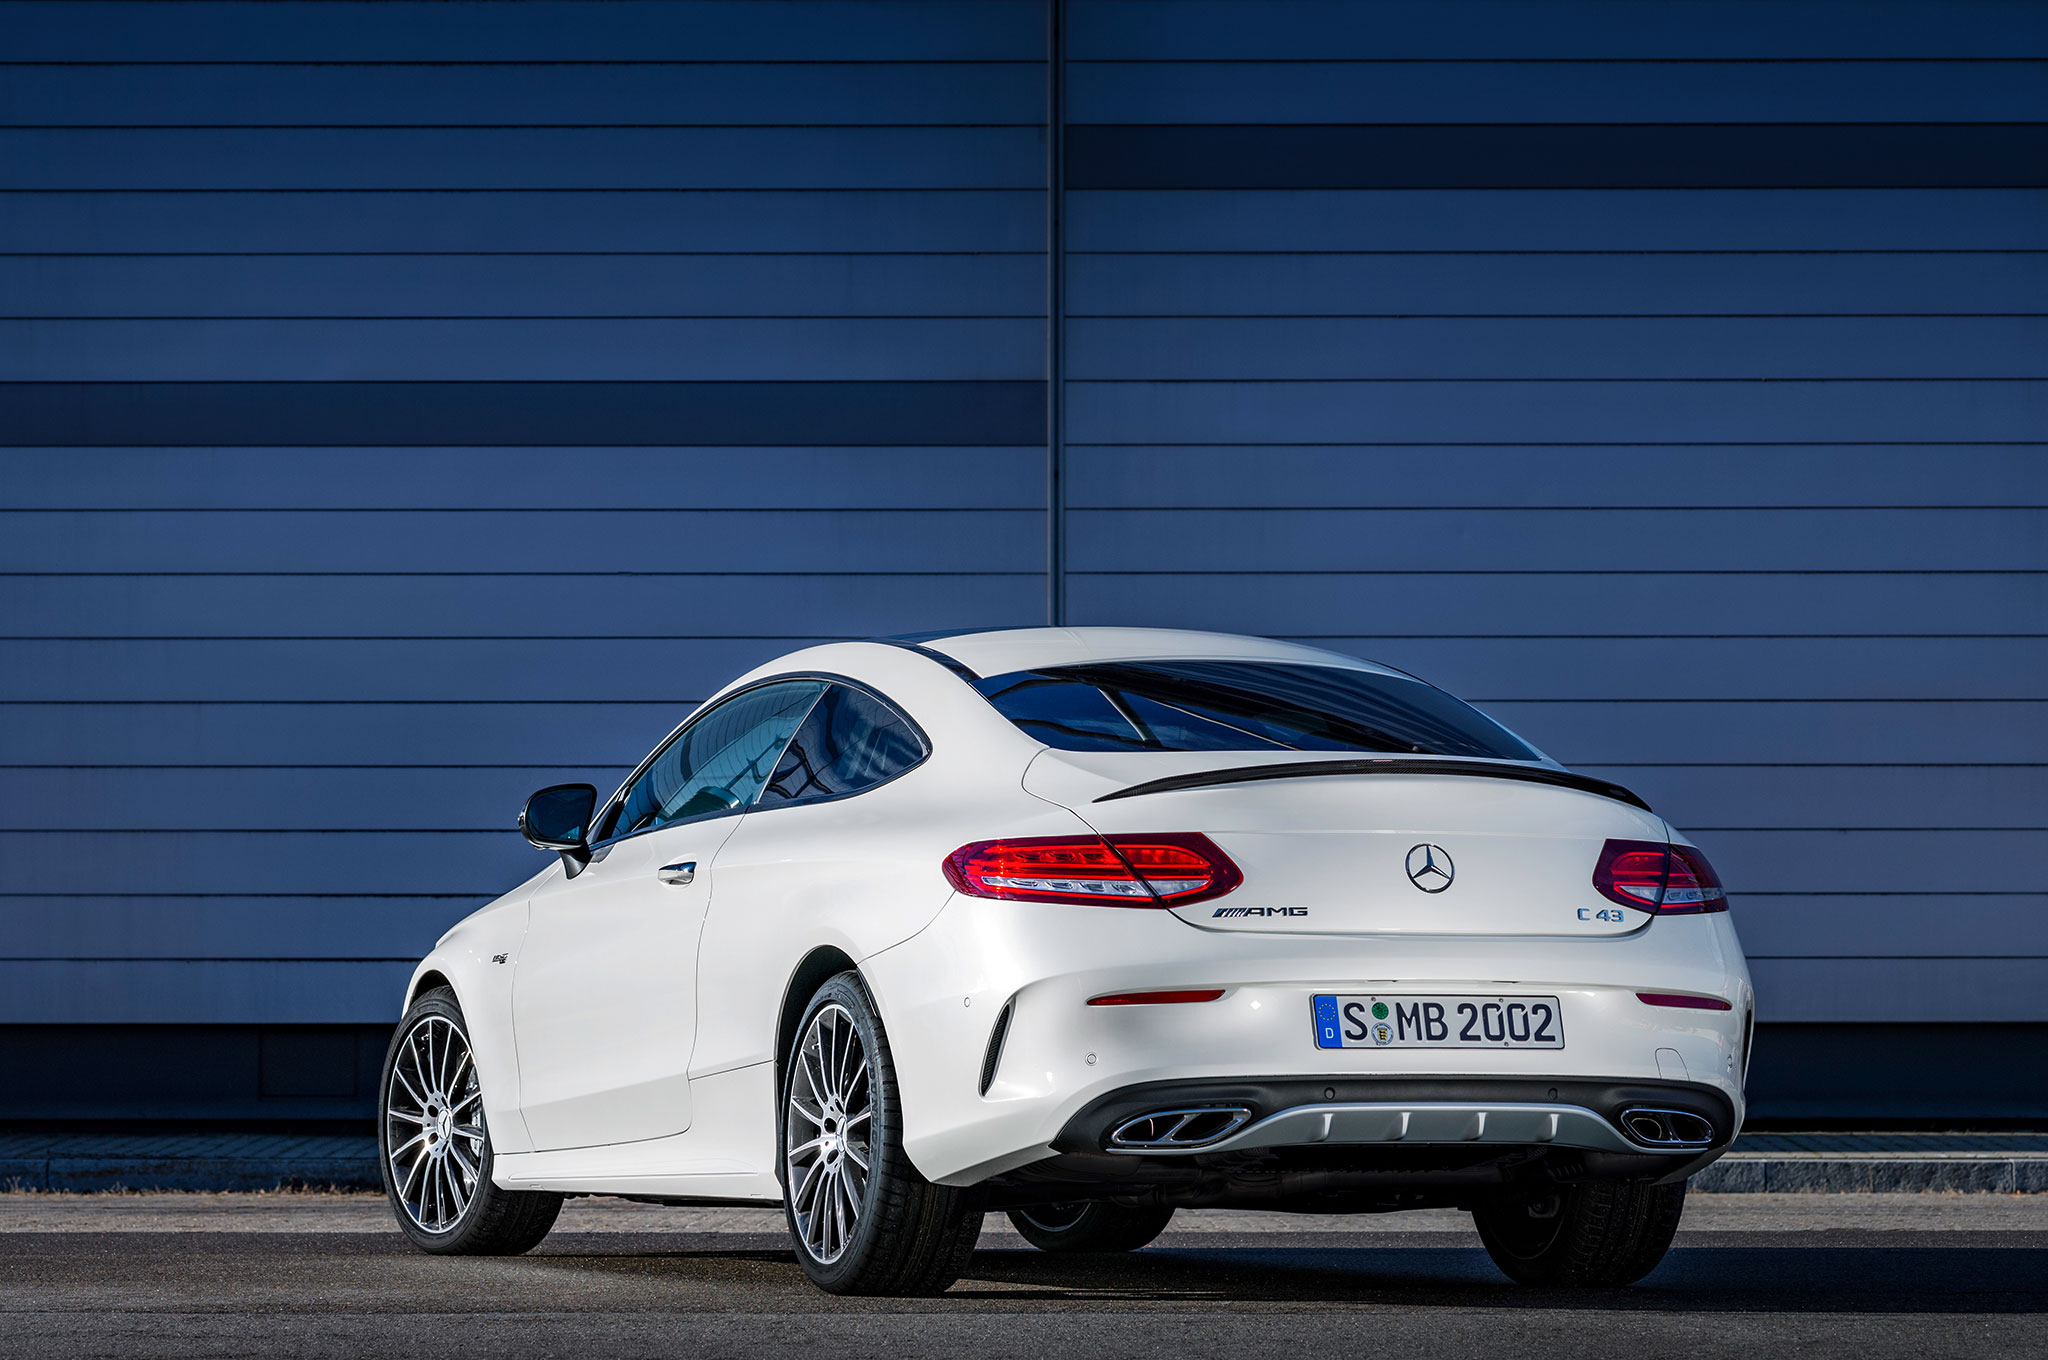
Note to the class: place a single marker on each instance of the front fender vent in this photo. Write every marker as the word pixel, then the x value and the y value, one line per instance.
pixel 994 1057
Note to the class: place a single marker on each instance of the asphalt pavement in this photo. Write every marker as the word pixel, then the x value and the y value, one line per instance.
pixel 318 1275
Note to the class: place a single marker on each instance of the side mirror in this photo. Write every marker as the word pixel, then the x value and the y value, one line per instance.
pixel 558 818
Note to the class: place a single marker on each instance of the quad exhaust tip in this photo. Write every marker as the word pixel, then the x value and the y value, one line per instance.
pixel 1667 1128
pixel 1179 1129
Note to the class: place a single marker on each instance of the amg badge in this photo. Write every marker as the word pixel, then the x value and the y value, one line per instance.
pixel 1258 911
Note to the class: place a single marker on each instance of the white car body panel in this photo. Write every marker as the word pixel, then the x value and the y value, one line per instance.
pixel 604 1000
pixel 685 1106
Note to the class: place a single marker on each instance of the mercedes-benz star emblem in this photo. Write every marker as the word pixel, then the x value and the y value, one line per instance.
pixel 1430 868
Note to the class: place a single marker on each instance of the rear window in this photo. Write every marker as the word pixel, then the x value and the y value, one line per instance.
pixel 1243 706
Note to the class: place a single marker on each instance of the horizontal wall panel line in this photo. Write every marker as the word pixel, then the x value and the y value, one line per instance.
pixel 585 701
pixel 1319 315
pixel 1392 475
pixel 1916 955
pixel 217 958
pixel 1557 156
pixel 1818 380
pixel 1555 411
pixel 1491 219
pixel 444 255
pixel 1375 507
pixel 574 575
pixel 198 317
pixel 1859 765
pixel 875 30
pixel 1542 92
pixel 813 638
pixel 413 222
pixel 522 413
pixel 524 158
pixel 1630 572
pixel 564 349
pixel 893 509
pixel 1638 443
pixel 597 63
pixel 1486 30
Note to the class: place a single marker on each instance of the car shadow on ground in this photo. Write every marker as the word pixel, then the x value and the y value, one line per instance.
pixel 1793 1278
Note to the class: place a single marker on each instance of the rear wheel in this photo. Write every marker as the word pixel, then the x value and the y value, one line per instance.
pixel 436 1147
pixel 863 1219
pixel 1597 1236
pixel 1089 1227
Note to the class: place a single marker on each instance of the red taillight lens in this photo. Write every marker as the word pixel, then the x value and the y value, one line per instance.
pixel 1693 885
pixel 1162 870
pixel 1156 998
pixel 1674 880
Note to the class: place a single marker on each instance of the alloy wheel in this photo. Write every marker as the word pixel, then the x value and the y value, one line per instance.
pixel 829 1143
pixel 433 1124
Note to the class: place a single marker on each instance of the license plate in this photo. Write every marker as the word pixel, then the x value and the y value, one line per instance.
pixel 1439 1022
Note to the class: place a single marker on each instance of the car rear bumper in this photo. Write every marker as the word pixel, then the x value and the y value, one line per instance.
pixel 1605 1116
pixel 1001 1061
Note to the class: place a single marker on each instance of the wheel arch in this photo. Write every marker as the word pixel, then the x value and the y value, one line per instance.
pixel 825 961
pixel 425 981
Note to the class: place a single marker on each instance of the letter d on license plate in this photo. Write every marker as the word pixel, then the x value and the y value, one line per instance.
pixel 1439 1022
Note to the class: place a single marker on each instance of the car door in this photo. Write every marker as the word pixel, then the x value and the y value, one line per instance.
pixel 822 859
pixel 604 997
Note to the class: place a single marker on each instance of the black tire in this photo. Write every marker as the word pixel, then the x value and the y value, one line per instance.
pixel 1596 1236
pixel 468 1216
pixel 1090 1227
pixel 907 1236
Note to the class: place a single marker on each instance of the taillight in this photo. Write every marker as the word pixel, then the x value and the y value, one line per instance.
pixel 1693 885
pixel 1674 880
pixel 1162 870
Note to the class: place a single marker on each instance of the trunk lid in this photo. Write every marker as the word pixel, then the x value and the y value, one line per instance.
pixel 1420 851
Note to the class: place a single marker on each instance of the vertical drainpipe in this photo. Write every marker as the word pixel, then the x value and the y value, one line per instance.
pixel 1055 314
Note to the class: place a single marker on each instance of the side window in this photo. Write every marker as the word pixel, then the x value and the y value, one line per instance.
pixel 719 762
pixel 851 741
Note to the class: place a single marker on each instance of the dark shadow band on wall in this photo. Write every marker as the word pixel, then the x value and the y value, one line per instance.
pixel 1559 156
pixel 1951 1076
pixel 522 413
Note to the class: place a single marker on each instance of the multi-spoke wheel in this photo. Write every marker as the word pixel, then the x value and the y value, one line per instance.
pixel 434 1124
pixel 863 1219
pixel 831 1112
pixel 1089 1226
pixel 437 1147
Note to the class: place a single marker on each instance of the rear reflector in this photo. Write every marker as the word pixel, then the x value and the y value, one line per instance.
pixel 1160 870
pixel 1683 1002
pixel 1154 998
pixel 1672 880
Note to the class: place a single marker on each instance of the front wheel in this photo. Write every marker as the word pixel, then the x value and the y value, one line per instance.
pixel 1599 1235
pixel 863 1220
pixel 1089 1227
pixel 436 1147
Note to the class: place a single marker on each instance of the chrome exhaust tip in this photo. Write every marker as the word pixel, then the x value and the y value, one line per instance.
pixel 1180 1129
pixel 1667 1128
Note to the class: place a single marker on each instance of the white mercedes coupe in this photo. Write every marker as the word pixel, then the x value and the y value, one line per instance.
pixel 1083 925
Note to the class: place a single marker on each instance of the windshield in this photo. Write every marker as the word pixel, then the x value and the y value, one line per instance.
pixel 1243 706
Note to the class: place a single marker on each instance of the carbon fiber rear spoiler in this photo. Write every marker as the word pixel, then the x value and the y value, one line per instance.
pixel 1480 769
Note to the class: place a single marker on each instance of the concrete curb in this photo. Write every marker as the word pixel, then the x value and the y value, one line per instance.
pixel 1970 1174
pixel 80 1174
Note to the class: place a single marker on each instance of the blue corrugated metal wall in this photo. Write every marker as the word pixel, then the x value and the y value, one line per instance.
pixel 1664 377
pixel 417 403
pixel 409 404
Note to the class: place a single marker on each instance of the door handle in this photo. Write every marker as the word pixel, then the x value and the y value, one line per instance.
pixel 678 874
